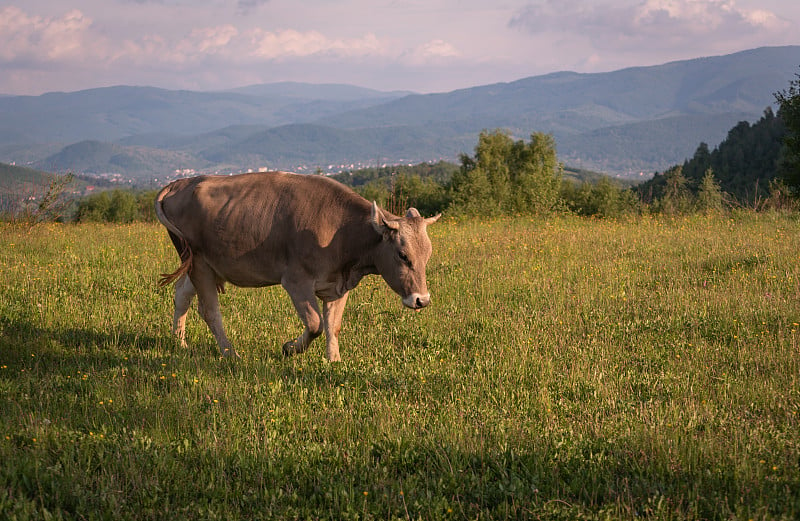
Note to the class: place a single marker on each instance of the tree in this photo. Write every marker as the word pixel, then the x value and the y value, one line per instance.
pixel 695 169
pixel 145 203
pixel 508 177
pixel 423 186
pixel 789 111
pixel 677 197
pixel 94 208
pixel 481 187
pixel 709 197
pixel 471 191
pixel 536 175
pixel 426 195
pixel 123 207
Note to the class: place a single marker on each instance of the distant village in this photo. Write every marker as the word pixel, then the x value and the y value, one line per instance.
pixel 108 180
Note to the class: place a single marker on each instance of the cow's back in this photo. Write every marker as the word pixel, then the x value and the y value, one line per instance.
pixel 250 228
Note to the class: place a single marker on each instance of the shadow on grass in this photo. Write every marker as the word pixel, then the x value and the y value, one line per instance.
pixel 22 342
pixel 726 264
pixel 397 478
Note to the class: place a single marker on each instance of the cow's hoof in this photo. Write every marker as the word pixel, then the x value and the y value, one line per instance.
pixel 231 354
pixel 290 348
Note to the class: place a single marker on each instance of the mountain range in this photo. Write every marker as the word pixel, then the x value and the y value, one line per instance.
pixel 630 121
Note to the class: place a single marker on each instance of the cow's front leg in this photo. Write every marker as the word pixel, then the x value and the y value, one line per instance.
pixel 305 302
pixel 332 313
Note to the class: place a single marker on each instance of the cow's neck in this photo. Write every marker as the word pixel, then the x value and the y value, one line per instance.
pixel 368 246
pixel 363 244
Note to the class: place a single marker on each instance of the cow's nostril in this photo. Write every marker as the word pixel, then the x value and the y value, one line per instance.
pixel 417 301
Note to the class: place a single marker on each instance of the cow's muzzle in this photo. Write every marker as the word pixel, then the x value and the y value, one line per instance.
pixel 417 301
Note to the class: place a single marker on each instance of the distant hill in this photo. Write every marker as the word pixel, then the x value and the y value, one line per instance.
pixel 114 113
pixel 571 102
pixel 631 121
pixel 322 145
pixel 98 158
pixel 641 118
pixel 21 180
pixel 309 91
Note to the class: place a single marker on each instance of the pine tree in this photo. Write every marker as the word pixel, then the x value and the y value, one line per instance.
pixel 709 197
pixel 789 112
pixel 677 198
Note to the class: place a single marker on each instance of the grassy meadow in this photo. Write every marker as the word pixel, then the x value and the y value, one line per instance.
pixel 566 369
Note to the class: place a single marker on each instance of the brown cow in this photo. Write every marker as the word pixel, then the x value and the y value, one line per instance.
pixel 310 234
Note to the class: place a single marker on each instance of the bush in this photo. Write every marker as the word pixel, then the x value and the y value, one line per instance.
pixel 602 199
pixel 118 206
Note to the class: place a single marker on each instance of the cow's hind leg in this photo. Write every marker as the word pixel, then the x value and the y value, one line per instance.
pixel 184 294
pixel 305 302
pixel 205 283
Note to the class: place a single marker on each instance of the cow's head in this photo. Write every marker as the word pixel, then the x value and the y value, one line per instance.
pixel 403 254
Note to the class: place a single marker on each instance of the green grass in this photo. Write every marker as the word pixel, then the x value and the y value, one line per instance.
pixel 566 369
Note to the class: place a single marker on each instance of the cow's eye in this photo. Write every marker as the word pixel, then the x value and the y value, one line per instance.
pixel 403 257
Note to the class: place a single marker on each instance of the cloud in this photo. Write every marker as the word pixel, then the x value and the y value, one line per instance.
pixel 290 43
pixel 433 50
pixel 648 23
pixel 71 38
pixel 41 39
pixel 209 40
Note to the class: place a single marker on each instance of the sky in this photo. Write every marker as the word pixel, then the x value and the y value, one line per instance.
pixel 415 45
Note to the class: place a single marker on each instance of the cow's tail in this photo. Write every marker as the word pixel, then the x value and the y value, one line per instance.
pixel 178 240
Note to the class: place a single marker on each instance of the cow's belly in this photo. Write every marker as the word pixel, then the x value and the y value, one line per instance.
pixel 248 275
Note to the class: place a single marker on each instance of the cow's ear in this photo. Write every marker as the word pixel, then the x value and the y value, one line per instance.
pixel 380 223
pixel 431 220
